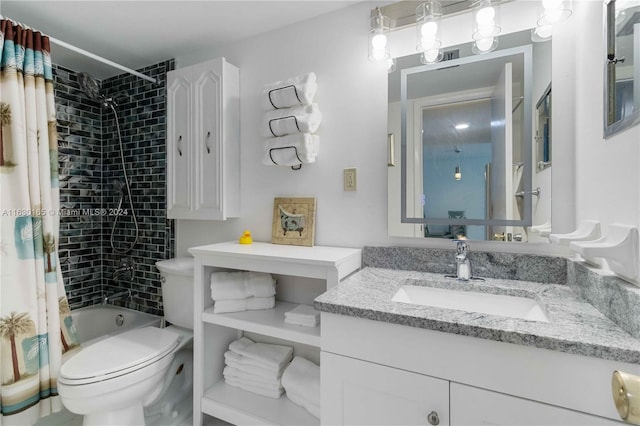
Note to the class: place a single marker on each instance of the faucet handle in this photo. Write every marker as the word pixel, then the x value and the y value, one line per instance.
pixel 462 246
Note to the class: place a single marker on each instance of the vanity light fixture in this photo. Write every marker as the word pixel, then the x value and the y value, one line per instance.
pixel 428 16
pixel 378 42
pixel 457 175
pixel 485 26
pixel 551 12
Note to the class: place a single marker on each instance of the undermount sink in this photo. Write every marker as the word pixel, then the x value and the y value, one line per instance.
pixel 471 301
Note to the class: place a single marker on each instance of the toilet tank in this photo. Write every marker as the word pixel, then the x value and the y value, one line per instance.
pixel 177 290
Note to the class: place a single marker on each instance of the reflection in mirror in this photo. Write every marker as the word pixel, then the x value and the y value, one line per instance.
pixel 622 90
pixel 466 129
pixel 543 131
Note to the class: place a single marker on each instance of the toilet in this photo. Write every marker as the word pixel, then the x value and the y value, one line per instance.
pixel 142 376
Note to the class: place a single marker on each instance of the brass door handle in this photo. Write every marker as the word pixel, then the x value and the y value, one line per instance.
pixel 626 396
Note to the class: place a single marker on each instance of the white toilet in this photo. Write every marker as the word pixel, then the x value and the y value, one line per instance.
pixel 144 371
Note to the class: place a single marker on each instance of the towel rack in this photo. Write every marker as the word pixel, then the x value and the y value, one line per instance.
pixel 286 147
pixel 295 119
pixel 295 91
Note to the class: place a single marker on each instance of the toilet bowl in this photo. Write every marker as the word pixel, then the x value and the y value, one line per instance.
pixel 112 381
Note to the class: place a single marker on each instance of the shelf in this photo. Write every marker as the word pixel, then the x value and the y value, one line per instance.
pixel 245 408
pixel 269 322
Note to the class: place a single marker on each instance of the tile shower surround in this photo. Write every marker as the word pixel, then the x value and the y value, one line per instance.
pixel 89 160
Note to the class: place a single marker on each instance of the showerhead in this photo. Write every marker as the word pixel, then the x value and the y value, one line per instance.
pixel 89 86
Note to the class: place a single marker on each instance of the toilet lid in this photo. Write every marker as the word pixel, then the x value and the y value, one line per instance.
pixel 120 352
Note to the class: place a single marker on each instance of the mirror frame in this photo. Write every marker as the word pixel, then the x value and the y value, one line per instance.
pixel 525 50
pixel 612 127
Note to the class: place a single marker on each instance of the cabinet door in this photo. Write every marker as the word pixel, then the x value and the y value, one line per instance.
pixel 178 144
pixel 356 392
pixel 473 407
pixel 208 143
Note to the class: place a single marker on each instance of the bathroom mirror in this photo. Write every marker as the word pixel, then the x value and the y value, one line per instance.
pixel 622 76
pixel 543 131
pixel 465 162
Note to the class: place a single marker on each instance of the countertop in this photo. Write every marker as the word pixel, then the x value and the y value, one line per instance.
pixel 574 325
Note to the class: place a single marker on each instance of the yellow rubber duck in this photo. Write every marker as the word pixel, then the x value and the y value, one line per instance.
pixel 246 238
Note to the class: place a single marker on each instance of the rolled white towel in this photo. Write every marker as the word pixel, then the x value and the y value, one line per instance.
pixel 302 377
pixel 250 379
pixel 291 150
pixel 303 312
pixel 298 90
pixel 241 285
pixel 312 408
pixel 273 357
pixel 260 390
pixel 281 122
pixel 249 366
pixel 249 304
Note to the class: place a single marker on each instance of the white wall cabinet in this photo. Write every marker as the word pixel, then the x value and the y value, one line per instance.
pixel 203 141
pixel 213 332
pixel 362 393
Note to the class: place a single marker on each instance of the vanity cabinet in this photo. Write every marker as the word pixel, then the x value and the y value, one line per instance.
pixel 214 332
pixel 203 141
pixel 472 406
pixel 362 393
pixel 375 371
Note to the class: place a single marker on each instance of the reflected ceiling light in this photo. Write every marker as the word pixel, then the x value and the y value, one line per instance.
pixel 428 17
pixel 457 175
pixel 551 12
pixel 378 43
pixel 541 33
pixel 462 126
pixel 485 26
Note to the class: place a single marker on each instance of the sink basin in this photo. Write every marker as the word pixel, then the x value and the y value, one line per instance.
pixel 470 301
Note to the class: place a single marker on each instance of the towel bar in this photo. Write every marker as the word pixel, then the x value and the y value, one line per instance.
pixel 283 118
pixel 295 91
pixel 298 167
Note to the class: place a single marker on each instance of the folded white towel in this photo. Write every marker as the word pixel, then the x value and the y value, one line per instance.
pixel 250 366
pixel 298 90
pixel 291 150
pixel 313 409
pixel 303 323
pixel 273 357
pixel 250 304
pixel 250 379
pixel 253 388
pixel 281 122
pixel 241 285
pixel 302 378
pixel 303 312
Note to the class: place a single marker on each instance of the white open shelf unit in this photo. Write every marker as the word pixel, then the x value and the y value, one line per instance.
pixel 213 332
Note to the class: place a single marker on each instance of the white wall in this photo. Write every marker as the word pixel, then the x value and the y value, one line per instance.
pixel 353 99
pixel 607 170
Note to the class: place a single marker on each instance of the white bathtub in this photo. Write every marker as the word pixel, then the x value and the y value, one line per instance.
pixel 99 321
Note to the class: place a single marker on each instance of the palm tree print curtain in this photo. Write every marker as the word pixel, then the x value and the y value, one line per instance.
pixel 35 322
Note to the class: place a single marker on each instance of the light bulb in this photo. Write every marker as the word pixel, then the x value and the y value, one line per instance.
pixel 378 54
pixel 431 55
pixel 485 15
pixel 487 30
pixel 379 41
pixel 484 44
pixel 544 31
pixel 429 43
pixel 429 29
pixel 551 4
pixel 457 175
pixel 553 15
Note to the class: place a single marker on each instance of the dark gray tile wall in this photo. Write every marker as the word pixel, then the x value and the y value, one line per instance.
pixel 90 164
pixel 80 161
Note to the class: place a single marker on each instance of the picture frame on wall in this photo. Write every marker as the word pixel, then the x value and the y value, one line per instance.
pixel 294 221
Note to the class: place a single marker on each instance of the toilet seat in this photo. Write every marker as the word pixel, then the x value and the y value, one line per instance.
pixel 118 355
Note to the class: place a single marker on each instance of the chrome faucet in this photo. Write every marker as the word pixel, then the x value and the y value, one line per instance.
pixel 463 264
pixel 117 296
pixel 125 271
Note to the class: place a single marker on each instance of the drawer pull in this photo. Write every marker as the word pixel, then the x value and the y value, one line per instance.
pixel 206 142
pixel 178 144
pixel 626 396
pixel 433 418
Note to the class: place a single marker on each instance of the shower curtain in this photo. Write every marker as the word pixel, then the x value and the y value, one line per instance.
pixel 35 322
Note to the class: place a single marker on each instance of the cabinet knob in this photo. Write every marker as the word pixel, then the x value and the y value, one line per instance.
pixel 626 396
pixel 433 418
pixel 178 144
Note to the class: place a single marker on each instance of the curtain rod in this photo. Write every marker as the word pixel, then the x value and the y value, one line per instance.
pixel 88 54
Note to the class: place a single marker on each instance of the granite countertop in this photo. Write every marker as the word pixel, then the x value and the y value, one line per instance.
pixel 574 325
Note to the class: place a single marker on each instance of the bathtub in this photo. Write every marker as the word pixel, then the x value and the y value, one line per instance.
pixel 97 322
